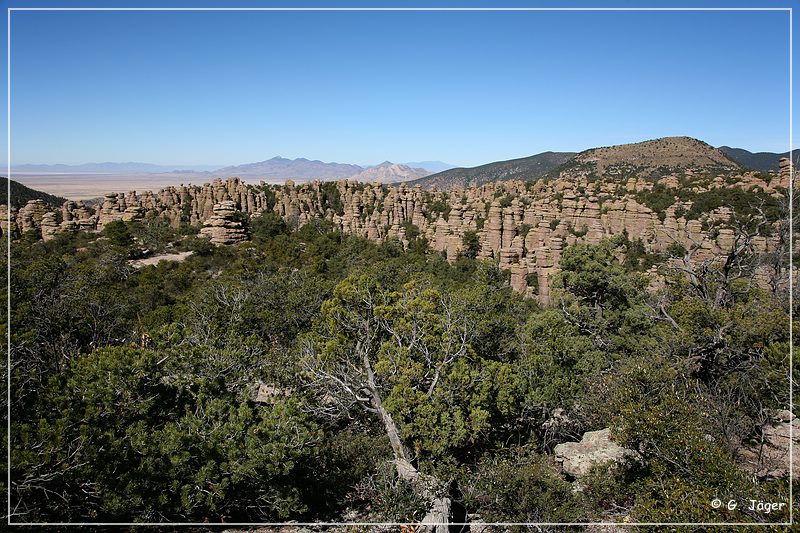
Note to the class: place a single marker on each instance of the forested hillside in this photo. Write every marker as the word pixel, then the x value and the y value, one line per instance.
pixel 20 195
pixel 524 168
pixel 763 161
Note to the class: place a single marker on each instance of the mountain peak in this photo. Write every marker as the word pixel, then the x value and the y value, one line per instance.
pixel 649 158
pixel 388 172
pixel 300 169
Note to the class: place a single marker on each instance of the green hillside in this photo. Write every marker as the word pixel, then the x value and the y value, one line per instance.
pixel 20 194
pixel 525 168
pixel 763 161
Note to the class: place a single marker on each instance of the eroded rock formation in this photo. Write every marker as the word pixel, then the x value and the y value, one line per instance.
pixel 523 226
pixel 225 226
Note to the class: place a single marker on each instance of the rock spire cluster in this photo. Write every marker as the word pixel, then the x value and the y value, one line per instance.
pixel 523 226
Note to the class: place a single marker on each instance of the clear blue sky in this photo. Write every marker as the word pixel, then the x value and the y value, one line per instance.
pixel 362 87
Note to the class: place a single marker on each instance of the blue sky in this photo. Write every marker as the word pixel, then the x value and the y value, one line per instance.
pixel 223 88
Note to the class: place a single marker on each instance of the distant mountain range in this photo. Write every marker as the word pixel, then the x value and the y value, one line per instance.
pixel 649 156
pixel 294 169
pixel 277 168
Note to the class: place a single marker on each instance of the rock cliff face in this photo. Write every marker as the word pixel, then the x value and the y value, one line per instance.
pixel 523 226
pixel 768 458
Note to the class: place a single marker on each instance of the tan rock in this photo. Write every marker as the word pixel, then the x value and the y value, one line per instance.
pixel 596 447
pixel 224 227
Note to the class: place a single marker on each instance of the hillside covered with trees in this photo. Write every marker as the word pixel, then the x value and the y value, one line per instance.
pixel 20 194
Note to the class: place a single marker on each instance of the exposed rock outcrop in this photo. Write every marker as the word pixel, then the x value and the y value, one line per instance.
pixel 50 225
pixel 225 225
pixel 786 172
pixel 8 222
pixel 768 457
pixel 522 226
pixel 596 447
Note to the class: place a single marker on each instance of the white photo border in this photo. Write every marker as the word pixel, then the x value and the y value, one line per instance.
pixel 9 10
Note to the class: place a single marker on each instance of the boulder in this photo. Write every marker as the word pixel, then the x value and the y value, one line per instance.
pixel 50 225
pixel 596 447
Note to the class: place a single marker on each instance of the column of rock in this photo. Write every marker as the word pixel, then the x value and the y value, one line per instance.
pixel 493 232
pixel 223 227
pixel 69 222
pixel 50 225
pixel 786 172
pixel 547 262
pixel 109 210
pixel 29 217
pixel 515 260
pixel 5 227
pixel 441 232
pixel 519 278
pixel 509 228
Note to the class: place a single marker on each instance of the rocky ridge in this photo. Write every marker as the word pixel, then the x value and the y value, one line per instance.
pixel 522 226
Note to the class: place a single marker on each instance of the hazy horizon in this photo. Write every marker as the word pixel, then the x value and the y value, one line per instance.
pixel 457 86
pixel 212 167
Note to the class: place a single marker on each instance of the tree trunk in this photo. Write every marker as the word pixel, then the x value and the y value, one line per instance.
pixel 438 518
pixel 388 423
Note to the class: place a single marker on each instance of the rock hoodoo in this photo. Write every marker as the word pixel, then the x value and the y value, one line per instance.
pixel 522 226
pixel 225 225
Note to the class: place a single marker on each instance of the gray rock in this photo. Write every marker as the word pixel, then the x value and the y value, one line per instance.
pixel 596 447
pixel 769 457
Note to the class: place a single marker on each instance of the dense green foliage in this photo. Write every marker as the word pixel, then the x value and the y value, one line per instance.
pixel 134 390
pixel 744 204
pixel 658 199
pixel 331 198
